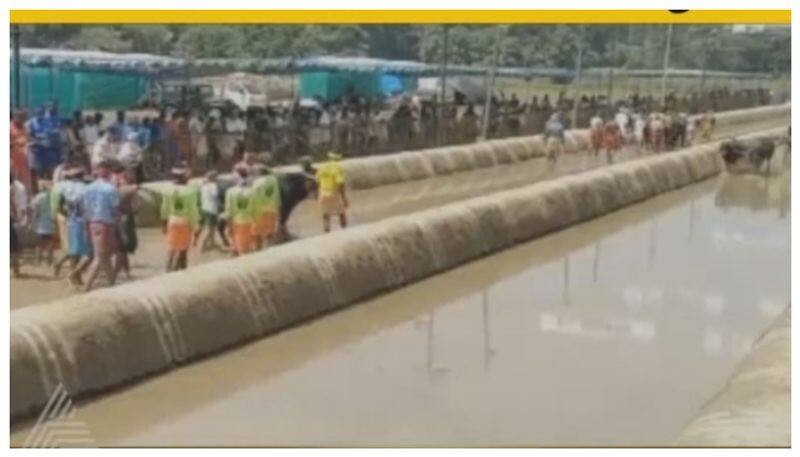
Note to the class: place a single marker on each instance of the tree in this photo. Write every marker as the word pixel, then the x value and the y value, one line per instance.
pixel 637 46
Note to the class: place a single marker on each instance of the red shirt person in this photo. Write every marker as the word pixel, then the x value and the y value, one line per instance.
pixel 19 150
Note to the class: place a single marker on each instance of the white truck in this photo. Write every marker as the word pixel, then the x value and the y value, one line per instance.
pixel 240 92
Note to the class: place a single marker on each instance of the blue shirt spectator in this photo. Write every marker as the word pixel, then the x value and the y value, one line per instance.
pixel 45 129
pixel 101 202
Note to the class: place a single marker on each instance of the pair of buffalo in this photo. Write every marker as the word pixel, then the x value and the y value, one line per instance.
pixel 753 154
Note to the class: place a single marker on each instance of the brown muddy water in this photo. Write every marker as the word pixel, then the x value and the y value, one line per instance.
pixel 611 333
pixel 366 206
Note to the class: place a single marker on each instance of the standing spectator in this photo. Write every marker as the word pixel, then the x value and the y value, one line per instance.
pixel 43 223
pixel 19 150
pixel 172 153
pixel 130 155
pixel 89 134
pixel 143 134
pixel 70 141
pixel 106 148
pixel 122 124
pixel 101 209
pixel 213 132
pixel 196 127
pixel 44 129
pixel 236 127
pixel 158 138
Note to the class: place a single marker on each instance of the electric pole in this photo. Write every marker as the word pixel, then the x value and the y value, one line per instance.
pixel 666 67
pixel 490 86
pixel 610 96
pixel 578 71
pixel 445 56
pixel 15 36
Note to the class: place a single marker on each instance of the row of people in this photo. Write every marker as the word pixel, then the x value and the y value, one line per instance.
pixel 91 218
pixel 354 127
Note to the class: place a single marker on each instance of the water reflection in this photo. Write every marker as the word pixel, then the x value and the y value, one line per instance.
pixel 651 246
pixel 596 262
pixel 488 351
pixel 565 292
pixel 624 328
pixel 755 193
pixel 435 372
pixel 714 305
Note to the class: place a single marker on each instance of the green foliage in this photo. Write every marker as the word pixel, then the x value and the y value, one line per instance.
pixel 633 46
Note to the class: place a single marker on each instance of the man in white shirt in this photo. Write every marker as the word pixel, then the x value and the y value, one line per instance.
pixel 236 125
pixel 106 148
pixel 90 133
pixel 129 151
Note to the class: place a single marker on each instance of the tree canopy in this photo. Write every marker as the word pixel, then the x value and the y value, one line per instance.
pixel 632 46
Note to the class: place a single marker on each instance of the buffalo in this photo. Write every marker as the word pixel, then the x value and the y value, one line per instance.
pixel 294 188
pixel 752 153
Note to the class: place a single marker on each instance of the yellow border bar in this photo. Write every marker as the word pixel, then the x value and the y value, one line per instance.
pixel 398 16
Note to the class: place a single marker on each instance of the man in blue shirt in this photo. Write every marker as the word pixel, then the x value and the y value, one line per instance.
pixel 45 130
pixel 101 210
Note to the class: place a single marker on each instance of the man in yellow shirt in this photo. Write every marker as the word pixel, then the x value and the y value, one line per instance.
pixel 331 191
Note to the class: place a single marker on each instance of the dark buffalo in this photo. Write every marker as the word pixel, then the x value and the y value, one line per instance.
pixel 753 152
pixel 294 188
